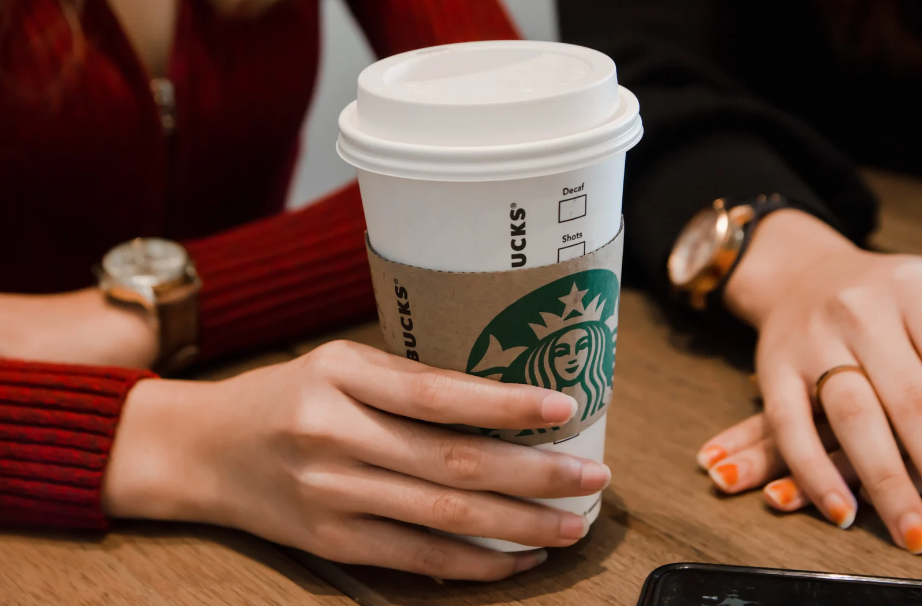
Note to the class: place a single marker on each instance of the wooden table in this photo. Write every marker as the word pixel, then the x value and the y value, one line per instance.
pixel 673 390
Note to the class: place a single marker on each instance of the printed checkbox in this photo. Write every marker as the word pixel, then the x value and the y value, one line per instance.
pixel 572 208
pixel 571 252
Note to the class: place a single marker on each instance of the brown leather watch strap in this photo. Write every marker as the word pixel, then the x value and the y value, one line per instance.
pixel 178 328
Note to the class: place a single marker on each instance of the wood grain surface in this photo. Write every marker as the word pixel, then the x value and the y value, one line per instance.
pixel 901 220
pixel 157 564
pixel 673 390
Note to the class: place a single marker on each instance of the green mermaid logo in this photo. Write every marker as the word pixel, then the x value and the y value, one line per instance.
pixel 561 336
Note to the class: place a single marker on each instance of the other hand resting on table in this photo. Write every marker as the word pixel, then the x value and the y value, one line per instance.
pixel 819 302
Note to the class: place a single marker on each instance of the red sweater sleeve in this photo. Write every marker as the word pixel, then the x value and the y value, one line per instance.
pixel 57 423
pixel 396 26
pixel 263 282
pixel 285 275
pixel 306 270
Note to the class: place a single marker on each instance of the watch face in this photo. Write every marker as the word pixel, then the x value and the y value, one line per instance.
pixel 696 247
pixel 146 262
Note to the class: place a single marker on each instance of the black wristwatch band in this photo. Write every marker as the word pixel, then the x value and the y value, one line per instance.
pixel 762 206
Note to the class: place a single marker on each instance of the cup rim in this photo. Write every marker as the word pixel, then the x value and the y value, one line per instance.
pixel 495 162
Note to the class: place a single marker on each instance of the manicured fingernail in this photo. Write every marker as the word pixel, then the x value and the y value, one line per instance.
pixel 726 475
pixel 558 408
pixel 573 526
pixel 839 511
pixel 594 476
pixel 708 457
pixel 527 561
pixel 911 529
pixel 782 492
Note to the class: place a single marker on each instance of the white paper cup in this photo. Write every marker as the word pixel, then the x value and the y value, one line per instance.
pixel 491 156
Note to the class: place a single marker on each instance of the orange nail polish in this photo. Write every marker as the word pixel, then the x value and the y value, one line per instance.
pixel 839 515
pixel 911 527
pixel 783 492
pixel 726 475
pixel 839 512
pixel 710 456
pixel 914 539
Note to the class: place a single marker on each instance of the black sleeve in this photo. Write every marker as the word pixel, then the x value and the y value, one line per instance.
pixel 705 135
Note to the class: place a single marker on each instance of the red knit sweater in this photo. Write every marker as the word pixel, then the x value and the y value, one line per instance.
pixel 84 165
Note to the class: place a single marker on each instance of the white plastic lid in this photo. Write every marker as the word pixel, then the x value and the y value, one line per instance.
pixel 488 111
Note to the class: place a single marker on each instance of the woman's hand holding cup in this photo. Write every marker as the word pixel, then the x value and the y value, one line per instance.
pixel 340 453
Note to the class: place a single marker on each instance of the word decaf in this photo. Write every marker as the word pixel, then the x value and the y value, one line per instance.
pixel 517 232
pixel 567 191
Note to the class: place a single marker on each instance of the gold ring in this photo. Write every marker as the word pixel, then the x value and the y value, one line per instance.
pixel 833 372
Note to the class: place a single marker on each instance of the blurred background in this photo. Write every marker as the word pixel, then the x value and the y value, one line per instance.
pixel 344 54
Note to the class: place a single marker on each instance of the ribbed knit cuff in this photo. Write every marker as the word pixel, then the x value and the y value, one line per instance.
pixel 287 275
pixel 57 424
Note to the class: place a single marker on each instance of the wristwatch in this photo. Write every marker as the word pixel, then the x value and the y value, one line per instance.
pixel 713 242
pixel 157 277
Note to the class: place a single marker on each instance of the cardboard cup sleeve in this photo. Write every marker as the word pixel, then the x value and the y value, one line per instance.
pixel 554 326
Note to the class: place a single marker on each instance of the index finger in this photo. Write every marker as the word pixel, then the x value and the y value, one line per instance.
pixel 410 389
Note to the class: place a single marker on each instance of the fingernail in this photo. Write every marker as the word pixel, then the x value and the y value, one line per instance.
pixel 839 511
pixel 782 492
pixel 911 529
pixel 529 560
pixel 573 526
pixel 594 476
pixel 558 408
pixel 726 475
pixel 708 457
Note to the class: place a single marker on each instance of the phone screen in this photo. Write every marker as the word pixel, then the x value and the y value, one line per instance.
pixel 717 587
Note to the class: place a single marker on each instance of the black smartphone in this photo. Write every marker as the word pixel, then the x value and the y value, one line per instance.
pixel 715 585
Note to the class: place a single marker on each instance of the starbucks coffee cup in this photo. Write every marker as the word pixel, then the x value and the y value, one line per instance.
pixel 497 168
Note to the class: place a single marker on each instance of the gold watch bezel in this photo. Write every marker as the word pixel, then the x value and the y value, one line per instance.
pixel 730 234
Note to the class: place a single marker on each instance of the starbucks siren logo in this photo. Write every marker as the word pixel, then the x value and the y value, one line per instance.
pixel 561 336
